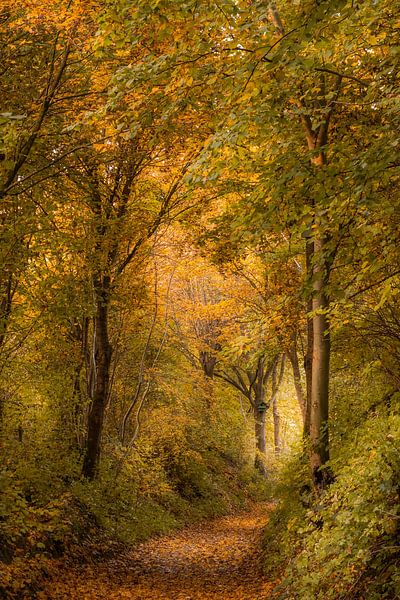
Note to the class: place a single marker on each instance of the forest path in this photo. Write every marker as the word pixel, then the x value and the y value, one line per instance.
pixel 214 560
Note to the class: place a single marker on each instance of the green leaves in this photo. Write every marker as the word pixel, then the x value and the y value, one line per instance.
pixel 346 534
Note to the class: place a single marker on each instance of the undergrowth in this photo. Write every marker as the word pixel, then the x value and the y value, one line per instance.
pixel 346 544
pixel 165 481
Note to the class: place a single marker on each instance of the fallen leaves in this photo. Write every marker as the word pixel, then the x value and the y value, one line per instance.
pixel 216 560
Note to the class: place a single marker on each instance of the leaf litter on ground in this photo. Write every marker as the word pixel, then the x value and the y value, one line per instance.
pixel 219 559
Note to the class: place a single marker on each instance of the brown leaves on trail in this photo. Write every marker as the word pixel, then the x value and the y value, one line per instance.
pixel 216 560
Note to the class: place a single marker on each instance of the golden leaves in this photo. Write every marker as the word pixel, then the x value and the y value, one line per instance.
pixel 219 560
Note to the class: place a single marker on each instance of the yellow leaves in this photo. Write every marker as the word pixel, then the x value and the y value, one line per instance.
pixel 179 83
pixel 60 15
pixel 250 91
pixel 101 147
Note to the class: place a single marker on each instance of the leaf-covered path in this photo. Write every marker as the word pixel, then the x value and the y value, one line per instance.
pixel 218 559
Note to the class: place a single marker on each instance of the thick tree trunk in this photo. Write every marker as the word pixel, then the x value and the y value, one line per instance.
pixel 319 433
pixel 100 384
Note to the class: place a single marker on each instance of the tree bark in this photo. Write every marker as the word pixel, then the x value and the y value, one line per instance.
pixel 259 417
pixel 319 433
pixel 208 362
pixel 276 382
pixel 101 382
pixel 294 361
pixel 318 264
pixel 261 446
pixel 319 261
pixel 275 412
pixel 277 426
pixel 252 384
pixel 310 341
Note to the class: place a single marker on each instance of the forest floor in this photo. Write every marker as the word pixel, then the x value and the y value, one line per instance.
pixel 216 559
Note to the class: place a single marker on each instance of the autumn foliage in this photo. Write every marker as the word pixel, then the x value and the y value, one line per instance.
pixel 199 283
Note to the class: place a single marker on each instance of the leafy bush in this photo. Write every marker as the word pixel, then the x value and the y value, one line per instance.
pixel 293 491
pixel 347 545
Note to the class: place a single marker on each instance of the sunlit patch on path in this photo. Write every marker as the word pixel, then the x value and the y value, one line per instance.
pixel 218 559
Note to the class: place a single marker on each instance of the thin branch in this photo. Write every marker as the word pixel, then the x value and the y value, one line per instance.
pixel 280 40
pixel 372 285
pixel 28 144
pixel 342 75
pixel 222 375
pixel 143 359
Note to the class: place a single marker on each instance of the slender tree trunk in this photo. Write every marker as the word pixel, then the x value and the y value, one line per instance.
pixel 319 433
pixel 319 409
pixel 277 426
pixel 80 389
pixel 276 383
pixel 2 411
pixel 5 313
pixel 5 306
pixel 310 341
pixel 77 398
pixel 261 446
pixel 259 410
pixel 294 361
pixel 101 381
pixel 254 391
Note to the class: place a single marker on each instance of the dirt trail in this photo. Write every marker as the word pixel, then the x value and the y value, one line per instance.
pixel 215 560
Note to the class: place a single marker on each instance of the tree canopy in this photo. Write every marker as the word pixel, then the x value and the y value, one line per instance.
pixel 199 280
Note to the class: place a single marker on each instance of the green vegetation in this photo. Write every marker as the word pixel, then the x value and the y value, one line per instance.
pixel 345 543
pixel 199 281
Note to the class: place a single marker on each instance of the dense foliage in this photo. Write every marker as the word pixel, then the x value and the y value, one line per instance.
pixel 199 280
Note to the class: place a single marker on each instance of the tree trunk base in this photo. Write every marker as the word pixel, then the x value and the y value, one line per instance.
pixel 260 466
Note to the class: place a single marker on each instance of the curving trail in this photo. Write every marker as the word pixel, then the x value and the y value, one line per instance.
pixel 215 560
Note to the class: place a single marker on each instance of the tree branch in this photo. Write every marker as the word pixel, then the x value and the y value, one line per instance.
pixel 342 75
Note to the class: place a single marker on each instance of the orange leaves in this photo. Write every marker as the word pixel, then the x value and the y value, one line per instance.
pixel 60 15
pixel 219 560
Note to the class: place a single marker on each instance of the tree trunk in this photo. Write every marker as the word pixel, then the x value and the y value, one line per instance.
pixel 276 382
pixel 5 306
pixel 208 362
pixel 294 361
pixel 261 446
pixel 318 265
pixel 277 426
pixel 259 410
pixel 319 434
pixel 310 341
pixel 77 408
pixel 254 390
pixel 101 381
